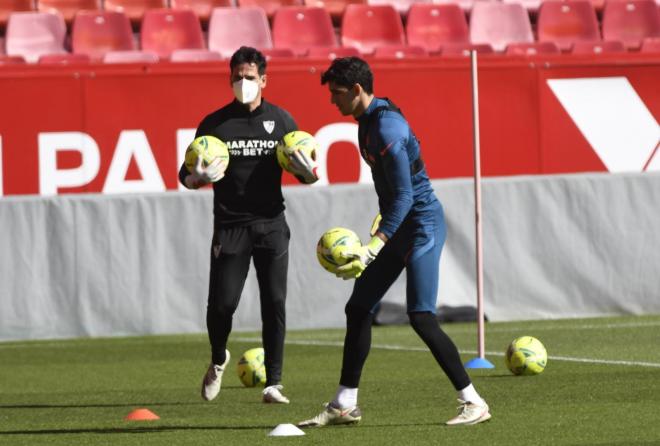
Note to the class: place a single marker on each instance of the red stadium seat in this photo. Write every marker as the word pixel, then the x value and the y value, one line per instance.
pixel 651 45
pixel 269 6
pixel 432 26
pixel 68 8
pixel 64 59
pixel 630 21
pixel 336 8
pixel 202 8
pixel 278 53
pixel 9 6
pixel 165 30
pixel 465 5
pixel 31 34
pixel 332 53
pixel 402 6
pixel 366 27
pixel 184 55
pixel 400 52
pixel 532 6
pixel 463 50
pixel 135 56
pixel 134 9
pixel 231 28
pixel 598 47
pixel 499 24
pixel 96 32
pixel 300 28
pixel 530 49
pixel 567 22
pixel 11 60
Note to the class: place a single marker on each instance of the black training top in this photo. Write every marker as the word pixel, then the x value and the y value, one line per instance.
pixel 251 190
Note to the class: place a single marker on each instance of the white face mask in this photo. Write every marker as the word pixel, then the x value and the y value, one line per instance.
pixel 245 90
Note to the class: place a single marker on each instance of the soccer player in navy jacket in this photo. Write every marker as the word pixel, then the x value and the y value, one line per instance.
pixel 409 237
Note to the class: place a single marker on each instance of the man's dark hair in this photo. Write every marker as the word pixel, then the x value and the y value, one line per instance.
pixel 348 71
pixel 249 55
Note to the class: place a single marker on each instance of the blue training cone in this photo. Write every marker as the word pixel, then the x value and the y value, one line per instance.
pixel 479 363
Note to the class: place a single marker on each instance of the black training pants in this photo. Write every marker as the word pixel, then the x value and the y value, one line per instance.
pixel 267 244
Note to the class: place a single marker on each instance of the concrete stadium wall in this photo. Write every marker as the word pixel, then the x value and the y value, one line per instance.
pixel 110 265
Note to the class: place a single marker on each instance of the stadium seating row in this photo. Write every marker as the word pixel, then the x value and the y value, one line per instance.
pixel 569 25
pixel 135 9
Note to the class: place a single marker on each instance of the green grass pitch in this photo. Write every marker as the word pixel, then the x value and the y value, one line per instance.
pixel 601 387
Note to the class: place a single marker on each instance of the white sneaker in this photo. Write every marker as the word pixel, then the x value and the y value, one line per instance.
pixel 333 415
pixel 213 379
pixel 470 413
pixel 272 394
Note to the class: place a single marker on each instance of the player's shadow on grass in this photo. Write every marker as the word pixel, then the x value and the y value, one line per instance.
pixel 499 376
pixel 155 429
pixel 131 430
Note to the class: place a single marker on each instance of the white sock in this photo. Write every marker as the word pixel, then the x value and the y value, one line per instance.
pixel 470 394
pixel 346 397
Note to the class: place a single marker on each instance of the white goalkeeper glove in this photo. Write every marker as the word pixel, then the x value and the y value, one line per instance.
pixel 201 176
pixel 303 166
pixel 361 257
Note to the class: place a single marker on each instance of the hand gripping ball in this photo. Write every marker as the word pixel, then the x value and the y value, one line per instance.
pixel 331 244
pixel 292 141
pixel 208 148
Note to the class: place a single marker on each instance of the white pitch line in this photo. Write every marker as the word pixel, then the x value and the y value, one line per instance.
pixel 568 327
pixel 605 361
pixel 584 360
pixel 470 352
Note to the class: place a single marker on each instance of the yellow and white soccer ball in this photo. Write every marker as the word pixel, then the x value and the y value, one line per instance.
pixel 526 356
pixel 331 244
pixel 209 148
pixel 251 369
pixel 292 141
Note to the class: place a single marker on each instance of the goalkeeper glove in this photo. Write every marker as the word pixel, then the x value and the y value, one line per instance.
pixel 303 166
pixel 375 224
pixel 359 258
pixel 201 176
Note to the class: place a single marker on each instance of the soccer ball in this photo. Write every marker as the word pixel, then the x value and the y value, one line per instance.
pixel 292 141
pixel 526 356
pixel 251 369
pixel 331 244
pixel 209 148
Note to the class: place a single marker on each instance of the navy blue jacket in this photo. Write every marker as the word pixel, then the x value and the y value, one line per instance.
pixel 389 146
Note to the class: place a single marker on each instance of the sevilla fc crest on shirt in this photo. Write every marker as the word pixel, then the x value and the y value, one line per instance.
pixel 269 126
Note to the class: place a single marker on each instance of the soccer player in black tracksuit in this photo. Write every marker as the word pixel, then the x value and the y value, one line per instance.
pixel 249 221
